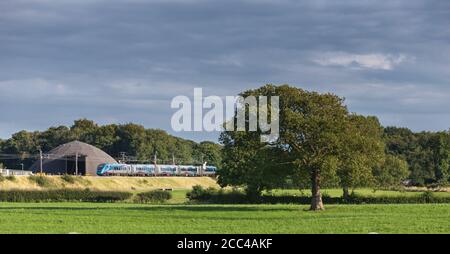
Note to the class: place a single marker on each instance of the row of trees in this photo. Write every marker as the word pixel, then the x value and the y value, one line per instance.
pixel 138 143
pixel 427 154
pixel 320 144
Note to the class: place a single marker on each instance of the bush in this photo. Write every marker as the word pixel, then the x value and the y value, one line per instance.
pixel 427 197
pixel 143 181
pixel 11 178
pixel 62 195
pixel 198 194
pixel 68 178
pixel 211 195
pixel 41 181
pixel 155 196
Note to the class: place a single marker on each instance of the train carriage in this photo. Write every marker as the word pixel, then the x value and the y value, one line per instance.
pixel 125 170
pixel 167 170
pixel 188 170
pixel 209 171
pixel 154 170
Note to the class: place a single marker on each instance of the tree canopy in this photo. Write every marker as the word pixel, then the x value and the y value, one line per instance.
pixel 427 153
pixel 319 140
pixel 322 143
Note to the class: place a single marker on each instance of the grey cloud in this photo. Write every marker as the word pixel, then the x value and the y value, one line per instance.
pixel 123 61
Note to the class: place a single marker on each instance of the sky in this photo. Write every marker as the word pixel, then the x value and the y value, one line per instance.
pixel 116 61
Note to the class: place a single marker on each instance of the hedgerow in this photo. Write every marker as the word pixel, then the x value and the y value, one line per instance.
pixel 62 195
pixel 41 181
pixel 214 196
pixel 155 196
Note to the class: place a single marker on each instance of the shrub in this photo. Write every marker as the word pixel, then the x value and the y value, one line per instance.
pixel 11 178
pixel 198 193
pixel 68 178
pixel 143 181
pixel 427 197
pixel 62 195
pixel 41 181
pixel 211 195
pixel 155 196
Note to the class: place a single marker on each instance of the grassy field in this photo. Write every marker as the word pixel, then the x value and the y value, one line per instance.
pixel 131 218
pixel 179 217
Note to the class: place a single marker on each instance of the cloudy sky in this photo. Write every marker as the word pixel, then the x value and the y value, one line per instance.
pixel 123 61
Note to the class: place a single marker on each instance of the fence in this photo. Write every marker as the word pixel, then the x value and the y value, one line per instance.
pixel 14 172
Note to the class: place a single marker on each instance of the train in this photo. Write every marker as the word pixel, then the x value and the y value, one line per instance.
pixel 118 169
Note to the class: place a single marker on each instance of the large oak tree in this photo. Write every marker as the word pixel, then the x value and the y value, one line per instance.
pixel 318 139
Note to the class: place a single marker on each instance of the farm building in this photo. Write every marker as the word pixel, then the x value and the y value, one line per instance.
pixel 62 160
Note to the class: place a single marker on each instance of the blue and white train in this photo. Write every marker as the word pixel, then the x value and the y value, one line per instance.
pixel 154 170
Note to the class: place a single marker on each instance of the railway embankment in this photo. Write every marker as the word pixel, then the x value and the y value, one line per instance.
pixel 114 183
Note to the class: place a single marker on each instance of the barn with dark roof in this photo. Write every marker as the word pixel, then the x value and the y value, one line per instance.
pixel 63 159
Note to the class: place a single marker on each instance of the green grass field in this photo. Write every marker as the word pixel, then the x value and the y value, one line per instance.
pixel 131 218
pixel 178 217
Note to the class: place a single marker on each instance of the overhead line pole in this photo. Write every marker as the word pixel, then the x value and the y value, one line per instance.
pixel 40 160
pixel 76 164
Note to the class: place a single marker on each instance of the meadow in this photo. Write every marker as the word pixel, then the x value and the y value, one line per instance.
pixel 178 216
pixel 63 218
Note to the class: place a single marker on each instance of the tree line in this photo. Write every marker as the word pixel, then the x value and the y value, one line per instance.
pixel 139 144
pixel 427 154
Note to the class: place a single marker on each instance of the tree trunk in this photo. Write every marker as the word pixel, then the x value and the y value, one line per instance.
pixel 253 192
pixel 316 201
pixel 346 193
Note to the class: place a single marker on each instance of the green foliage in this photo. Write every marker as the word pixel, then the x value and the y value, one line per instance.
pixel 427 154
pixel 63 195
pixel 143 181
pixel 214 196
pixel 208 152
pixel 2 178
pixel 392 172
pixel 319 141
pixel 155 196
pixel 428 197
pixel 11 178
pixel 199 193
pixel 69 178
pixel 41 181
pixel 363 151
pixel 249 163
